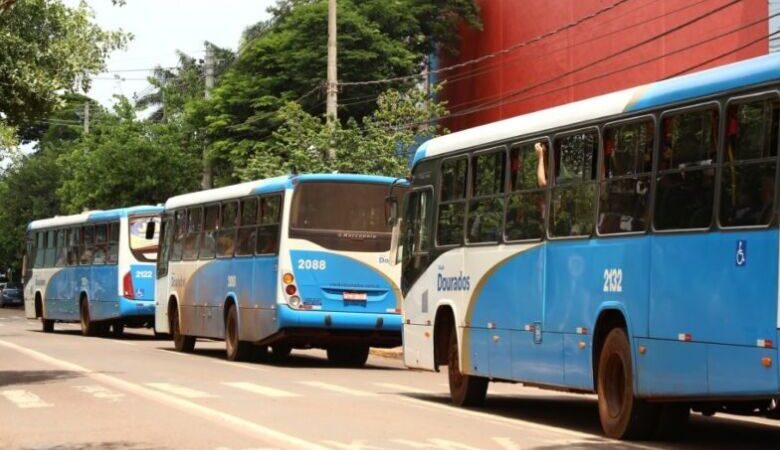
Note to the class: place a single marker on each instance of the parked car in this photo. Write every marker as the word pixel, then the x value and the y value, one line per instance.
pixel 12 294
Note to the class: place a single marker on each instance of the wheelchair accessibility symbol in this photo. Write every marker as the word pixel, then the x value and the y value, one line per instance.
pixel 740 258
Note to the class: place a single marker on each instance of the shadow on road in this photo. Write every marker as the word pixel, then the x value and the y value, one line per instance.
pixel 121 445
pixel 12 377
pixel 295 360
pixel 572 413
pixel 127 336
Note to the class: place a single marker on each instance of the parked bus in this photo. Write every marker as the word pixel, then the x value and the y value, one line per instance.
pixel 288 262
pixel 96 268
pixel 625 245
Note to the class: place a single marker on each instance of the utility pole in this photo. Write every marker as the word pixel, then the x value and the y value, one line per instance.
pixel 331 109
pixel 86 117
pixel 207 180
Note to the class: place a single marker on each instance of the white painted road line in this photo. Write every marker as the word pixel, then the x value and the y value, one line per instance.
pixel 101 392
pixel 238 424
pixel 181 391
pixel 24 399
pixel 261 390
pixel 337 388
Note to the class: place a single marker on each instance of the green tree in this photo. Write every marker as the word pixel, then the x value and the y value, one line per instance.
pixel 123 161
pixel 284 60
pixel 382 144
pixel 47 48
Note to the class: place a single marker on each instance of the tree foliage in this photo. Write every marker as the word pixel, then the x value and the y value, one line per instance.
pixel 124 161
pixel 47 48
pixel 382 144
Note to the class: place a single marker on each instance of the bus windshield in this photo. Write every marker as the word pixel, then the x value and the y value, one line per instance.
pixel 341 216
pixel 144 249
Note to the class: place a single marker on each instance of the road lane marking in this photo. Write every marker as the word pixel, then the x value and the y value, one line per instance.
pixel 261 390
pixel 101 392
pixel 241 365
pixel 181 391
pixel 506 443
pixel 124 343
pixel 336 388
pixel 400 388
pixel 24 399
pixel 238 424
pixel 442 444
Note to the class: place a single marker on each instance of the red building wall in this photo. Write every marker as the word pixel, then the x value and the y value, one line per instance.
pixel 567 66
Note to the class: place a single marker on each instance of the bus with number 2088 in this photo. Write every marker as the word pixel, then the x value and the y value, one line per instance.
pixel 289 262
pixel 96 268
pixel 625 245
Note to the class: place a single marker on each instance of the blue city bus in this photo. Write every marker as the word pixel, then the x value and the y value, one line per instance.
pixel 289 262
pixel 96 268
pixel 625 245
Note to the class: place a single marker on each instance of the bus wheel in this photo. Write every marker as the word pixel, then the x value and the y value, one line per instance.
pixel 48 325
pixel 348 355
pixel 281 350
pixel 623 416
pixel 181 342
pixel 465 390
pixel 117 329
pixel 87 327
pixel 237 350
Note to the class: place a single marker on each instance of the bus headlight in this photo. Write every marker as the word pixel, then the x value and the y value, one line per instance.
pixel 294 301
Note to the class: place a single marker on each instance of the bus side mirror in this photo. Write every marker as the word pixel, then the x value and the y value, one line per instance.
pixel 391 210
pixel 150 229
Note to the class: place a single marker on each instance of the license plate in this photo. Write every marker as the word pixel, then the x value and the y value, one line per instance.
pixel 355 296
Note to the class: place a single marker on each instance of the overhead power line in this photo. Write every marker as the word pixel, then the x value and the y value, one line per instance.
pixel 503 51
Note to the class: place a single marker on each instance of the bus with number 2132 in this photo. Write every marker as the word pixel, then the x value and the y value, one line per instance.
pixel 625 245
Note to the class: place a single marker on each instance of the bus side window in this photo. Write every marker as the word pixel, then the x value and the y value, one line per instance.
pixel 247 233
pixel 62 249
pixel 486 208
pixel 113 243
pixel 74 246
pixel 748 174
pixel 268 231
pixel 574 194
pixel 452 201
pixel 101 244
pixel 89 245
pixel 528 174
pixel 164 245
pixel 686 170
pixel 40 249
pixel 624 201
pixel 179 231
pixel 226 236
pixel 51 249
pixel 193 231
pixel 208 242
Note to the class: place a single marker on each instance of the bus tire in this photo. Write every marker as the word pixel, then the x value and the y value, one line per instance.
pixel 47 325
pixel 281 350
pixel 236 349
pixel 88 328
pixel 181 342
pixel 465 390
pixel 348 355
pixel 623 416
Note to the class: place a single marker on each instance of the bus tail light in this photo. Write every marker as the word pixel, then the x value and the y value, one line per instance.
pixel 290 289
pixel 288 278
pixel 295 301
pixel 127 286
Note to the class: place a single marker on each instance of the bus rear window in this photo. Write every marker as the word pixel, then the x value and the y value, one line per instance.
pixel 342 216
pixel 144 249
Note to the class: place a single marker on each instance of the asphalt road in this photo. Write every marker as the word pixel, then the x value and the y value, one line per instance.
pixel 64 391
